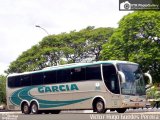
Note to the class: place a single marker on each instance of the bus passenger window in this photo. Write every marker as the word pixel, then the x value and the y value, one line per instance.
pixel 11 81
pixel 93 72
pixel 63 76
pixel 37 79
pixel 14 81
pixel 26 80
pixel 78 74
pixel 50 77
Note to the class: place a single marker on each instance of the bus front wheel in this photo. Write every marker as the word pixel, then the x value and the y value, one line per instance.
pixel 99 106
pixel 25 108
pixel 34 108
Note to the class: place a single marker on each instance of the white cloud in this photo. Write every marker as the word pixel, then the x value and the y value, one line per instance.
pixel 19 17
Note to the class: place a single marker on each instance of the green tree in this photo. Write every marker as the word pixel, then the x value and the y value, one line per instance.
pixel 75 46
pixel 2 89
pixel 62 48
pixel 51 47
pixel 95 39
pixel 157 2
pixel 27 61
pixel 137 39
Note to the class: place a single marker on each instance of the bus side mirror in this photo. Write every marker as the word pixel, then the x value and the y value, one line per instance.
pixel 150 80
pixel 122 77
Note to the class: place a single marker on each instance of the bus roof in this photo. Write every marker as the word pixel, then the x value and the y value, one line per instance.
pixel 73 65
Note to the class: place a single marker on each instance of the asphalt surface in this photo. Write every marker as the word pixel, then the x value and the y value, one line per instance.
pixel 139 114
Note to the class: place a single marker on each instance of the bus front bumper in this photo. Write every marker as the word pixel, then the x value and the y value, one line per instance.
pixel 133 104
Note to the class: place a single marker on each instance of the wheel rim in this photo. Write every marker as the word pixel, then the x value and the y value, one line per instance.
pixel 34 108
pixel 99 106
pixel 25 108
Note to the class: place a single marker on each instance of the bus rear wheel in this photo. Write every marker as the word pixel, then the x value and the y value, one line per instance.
pixel 26 108
pixel 99 106
pixel 34 108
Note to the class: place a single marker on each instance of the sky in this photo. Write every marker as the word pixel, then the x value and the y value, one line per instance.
pixel 19 17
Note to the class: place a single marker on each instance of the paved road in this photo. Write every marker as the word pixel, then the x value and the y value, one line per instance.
pixel 145 114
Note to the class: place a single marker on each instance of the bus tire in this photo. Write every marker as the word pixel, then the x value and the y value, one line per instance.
pixel 121 110
pixel 99 106
pixel 34 108
pixel 25 108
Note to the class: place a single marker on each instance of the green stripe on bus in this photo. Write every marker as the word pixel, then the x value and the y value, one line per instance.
pixel 24 94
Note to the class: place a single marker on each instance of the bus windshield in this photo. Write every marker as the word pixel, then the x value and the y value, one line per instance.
pixel 134 81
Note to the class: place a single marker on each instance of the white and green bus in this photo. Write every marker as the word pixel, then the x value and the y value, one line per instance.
pixel 97 86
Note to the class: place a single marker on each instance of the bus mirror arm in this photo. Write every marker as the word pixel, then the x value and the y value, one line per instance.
pixel 150 80
pixel 122 77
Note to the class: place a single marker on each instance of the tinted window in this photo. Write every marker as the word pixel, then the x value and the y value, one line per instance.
pixel 63 75
pixel 11 81
pixel 50 77
pixel 93 72
pixel 78 74
pixel 25 80
pixel 14 81
pixel 110 78
pixel 37 79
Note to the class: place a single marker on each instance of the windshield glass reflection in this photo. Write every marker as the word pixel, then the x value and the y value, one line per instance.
pixel 134 84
